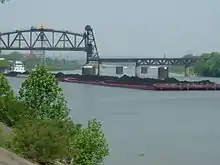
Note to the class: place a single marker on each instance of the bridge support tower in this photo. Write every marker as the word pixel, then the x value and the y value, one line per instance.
pixel 91 47
pixel 92 54
pixel 186 71
pixel 136 69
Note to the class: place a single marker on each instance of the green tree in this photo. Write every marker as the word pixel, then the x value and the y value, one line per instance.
pixel 201 67
pixel 208 65
pixel 5 88
pixel 90 144
pixel 11 110
pixel 41 92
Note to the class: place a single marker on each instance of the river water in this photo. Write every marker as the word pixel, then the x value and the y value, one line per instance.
pixel 150 127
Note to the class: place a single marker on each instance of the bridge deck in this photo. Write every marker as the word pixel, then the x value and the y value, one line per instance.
pixel 153 61
pixel 141 59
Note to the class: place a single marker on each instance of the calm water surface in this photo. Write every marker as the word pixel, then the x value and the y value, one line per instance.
pixel 147 127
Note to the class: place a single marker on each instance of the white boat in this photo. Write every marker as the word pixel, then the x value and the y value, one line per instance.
pixel 18 67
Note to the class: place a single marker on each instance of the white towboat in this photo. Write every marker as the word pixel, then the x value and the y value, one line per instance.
pixel 18 67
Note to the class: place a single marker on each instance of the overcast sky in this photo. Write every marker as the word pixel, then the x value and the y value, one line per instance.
pixel 134 28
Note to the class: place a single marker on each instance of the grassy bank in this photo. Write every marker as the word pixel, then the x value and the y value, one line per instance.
pixel 4 63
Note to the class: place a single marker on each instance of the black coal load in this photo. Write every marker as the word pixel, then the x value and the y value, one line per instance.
pixel 126 79
pixel 113 79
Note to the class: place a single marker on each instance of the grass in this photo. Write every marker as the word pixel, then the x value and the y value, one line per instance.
pixel 4 63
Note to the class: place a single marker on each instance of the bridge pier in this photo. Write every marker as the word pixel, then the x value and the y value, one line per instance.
pixel 186 71
pixel 136 69
pixel 98 68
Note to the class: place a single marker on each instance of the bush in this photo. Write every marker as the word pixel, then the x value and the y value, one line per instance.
pixel 2 138
pixel 49 141
pixel 43 141
pixel 13 111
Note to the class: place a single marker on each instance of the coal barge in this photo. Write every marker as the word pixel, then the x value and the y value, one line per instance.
pixel 169 84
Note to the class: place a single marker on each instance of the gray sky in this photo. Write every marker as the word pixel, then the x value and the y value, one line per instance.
pixel 140 28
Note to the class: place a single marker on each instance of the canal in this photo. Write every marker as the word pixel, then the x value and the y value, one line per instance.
pixel 149 127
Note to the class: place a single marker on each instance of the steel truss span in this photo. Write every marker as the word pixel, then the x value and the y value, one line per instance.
pixel 51 40
pixel 168 61
pixel 154 61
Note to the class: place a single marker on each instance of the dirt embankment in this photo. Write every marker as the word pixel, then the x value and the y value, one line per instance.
pixel 9 158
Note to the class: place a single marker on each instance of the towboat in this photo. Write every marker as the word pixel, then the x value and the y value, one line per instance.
pixel 18 67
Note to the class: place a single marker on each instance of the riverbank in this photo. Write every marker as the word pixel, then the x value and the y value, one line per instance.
pixel 9 158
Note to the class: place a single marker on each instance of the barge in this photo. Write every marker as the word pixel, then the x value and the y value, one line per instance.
pixel 156 86
pixel 169 84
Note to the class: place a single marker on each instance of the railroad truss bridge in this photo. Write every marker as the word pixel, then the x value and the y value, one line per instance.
pixel 51 40
pixel 63 40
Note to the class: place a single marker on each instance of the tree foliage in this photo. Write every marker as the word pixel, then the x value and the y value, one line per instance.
pixel 41 92
pixel 13 111
pixel 90 144
pixel 49 141
pixel 43 141
pixel 5 88
pixel 208 65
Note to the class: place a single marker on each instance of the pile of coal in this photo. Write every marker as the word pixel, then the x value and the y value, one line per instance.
pixel 126 79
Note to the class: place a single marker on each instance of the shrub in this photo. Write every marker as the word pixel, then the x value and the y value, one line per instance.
pixel 43 141
pixel 13 111
pixel 49 141
pixel 2 138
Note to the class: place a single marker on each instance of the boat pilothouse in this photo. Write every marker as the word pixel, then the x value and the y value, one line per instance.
pixel 18 67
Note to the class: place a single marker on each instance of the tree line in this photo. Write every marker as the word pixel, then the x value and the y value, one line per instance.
pixel 208 64
pixel 31 62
